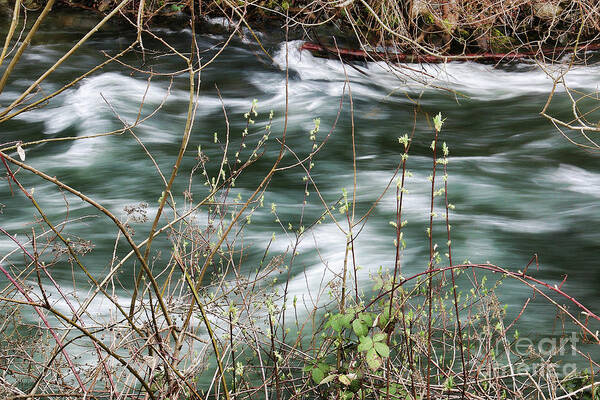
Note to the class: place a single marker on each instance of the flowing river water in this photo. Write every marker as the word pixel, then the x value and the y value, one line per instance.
pixel 519 186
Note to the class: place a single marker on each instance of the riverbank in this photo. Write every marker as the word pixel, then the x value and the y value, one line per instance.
pixel 417 27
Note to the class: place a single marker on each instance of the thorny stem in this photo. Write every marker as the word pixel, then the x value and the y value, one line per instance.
pixel 454 289
pixel 430 267
pixel 260 188
pixel 349 219
pixel 163 199
pixel 400 189
pixel 211 334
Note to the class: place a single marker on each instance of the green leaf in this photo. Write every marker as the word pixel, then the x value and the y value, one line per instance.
pixel 378 283
pixel 366 344
pixel 373 359
pixel 336 322
pixel 347 395
pixel 317 375
pixel 360 328
pixel 449 384
pixel 382 349
pixel 384 318
pixel 438 122
pixel 347 318
pixel 328 379
pixel 404 140
pixel 355 385
pixel 344 380
pixel 366 318
pixel 379 337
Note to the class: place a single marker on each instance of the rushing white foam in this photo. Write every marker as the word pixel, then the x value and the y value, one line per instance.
pixel 230 24
pixel 96 106
pixel 480 81
pixel 92 106
pixel 577 180
pixel 310 283
pixel 221 21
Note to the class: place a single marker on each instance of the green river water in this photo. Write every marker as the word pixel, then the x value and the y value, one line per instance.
pixel 519 187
